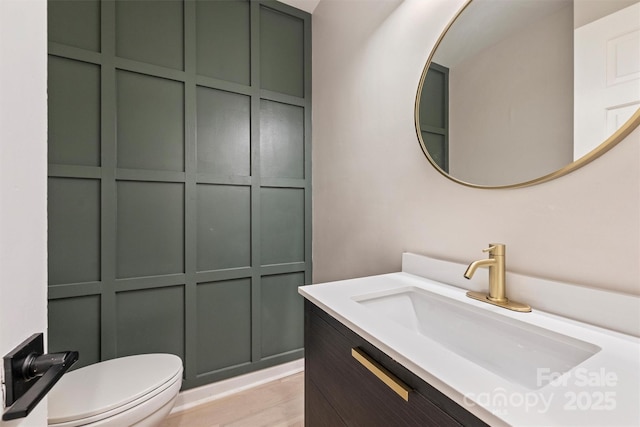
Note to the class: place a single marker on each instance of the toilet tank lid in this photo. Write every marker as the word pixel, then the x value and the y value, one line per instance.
pixel 104 386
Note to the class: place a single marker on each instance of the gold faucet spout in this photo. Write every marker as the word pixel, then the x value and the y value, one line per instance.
pixel 489 262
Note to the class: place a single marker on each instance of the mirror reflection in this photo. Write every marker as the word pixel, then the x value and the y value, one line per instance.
pixel 519 89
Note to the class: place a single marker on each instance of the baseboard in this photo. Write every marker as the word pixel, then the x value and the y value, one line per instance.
pixel 210 392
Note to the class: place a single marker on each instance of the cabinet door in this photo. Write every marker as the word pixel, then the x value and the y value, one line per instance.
pixel 357 395
pixel 317 410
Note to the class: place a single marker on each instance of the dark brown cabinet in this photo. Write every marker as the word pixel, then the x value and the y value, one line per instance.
pixel 341 391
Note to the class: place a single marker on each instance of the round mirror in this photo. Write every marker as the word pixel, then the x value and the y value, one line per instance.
pixel 518 92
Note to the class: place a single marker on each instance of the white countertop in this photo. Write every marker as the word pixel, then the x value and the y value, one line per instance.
pixel 604 390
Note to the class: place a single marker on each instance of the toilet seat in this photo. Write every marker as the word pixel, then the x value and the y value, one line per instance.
pixel 106 390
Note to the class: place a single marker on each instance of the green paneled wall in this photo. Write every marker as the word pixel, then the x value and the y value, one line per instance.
pixel 74 97
pixel 179 181
pixel 434 114
pixel 219 304
pixel 217 23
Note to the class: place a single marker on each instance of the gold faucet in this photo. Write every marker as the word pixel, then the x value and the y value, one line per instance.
pixel 497 283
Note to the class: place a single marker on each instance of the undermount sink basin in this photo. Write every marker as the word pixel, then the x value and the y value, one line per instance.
pixel 516 351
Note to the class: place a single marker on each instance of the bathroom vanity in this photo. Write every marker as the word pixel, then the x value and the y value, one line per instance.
pixel 405 349
pixel 343 389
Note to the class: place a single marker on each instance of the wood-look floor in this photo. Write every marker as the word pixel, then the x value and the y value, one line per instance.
pixel 278 403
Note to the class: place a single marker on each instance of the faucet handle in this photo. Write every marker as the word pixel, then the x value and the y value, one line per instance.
pixel 496 249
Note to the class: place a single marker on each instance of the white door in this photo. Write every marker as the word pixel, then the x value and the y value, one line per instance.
pixel 607 77
pixel 23 180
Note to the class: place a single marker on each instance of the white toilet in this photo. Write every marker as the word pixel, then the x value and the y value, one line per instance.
pixel 128 391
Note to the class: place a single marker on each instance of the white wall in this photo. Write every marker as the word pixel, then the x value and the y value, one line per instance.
pixel 375 195
pixel 587 11
pixel 23 178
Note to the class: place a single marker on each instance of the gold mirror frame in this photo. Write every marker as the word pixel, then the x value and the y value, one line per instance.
pixel 607 145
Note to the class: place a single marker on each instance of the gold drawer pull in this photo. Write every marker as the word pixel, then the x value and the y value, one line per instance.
pixel 385 376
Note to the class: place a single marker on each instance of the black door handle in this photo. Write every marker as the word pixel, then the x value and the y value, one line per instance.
pixel 30 375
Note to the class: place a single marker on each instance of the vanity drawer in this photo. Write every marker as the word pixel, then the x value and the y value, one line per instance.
pixel 357 395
